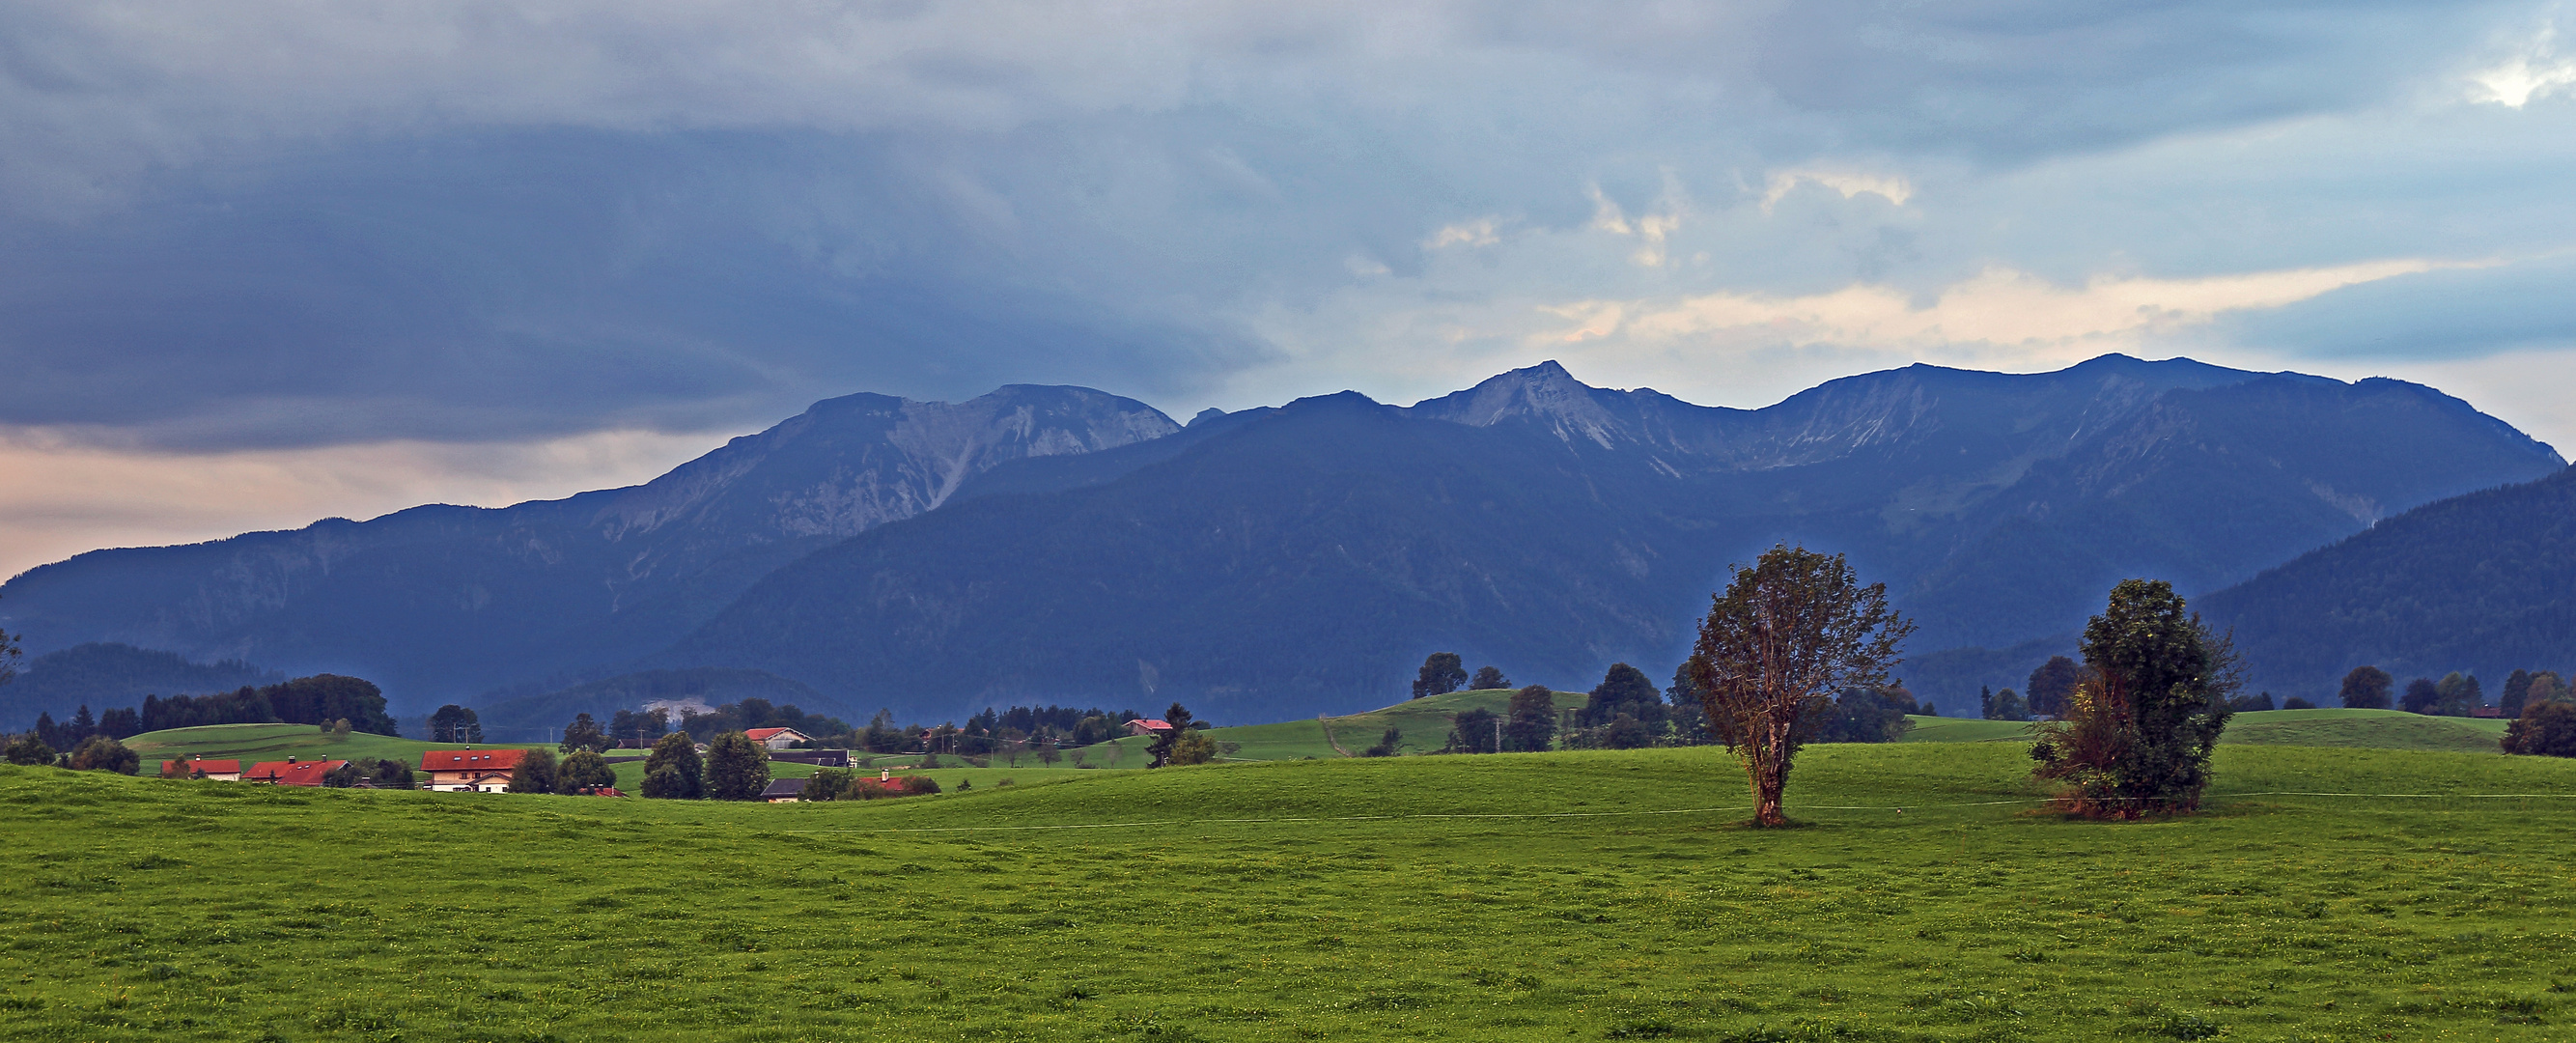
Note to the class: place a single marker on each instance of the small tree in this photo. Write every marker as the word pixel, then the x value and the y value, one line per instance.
pixel 2367 688
pixel 29 750
pixel 1165 742
pixel 2544 730
pixel 584 734
pixel 584 770
pixel 1529 723
pixel 1442 673
pixel 2006 706
pixel 673 770
pixel 1386 744
pixel 2138 733
pixel 2460 695
pixel 1790 630
pixel 1475 731
pixel 391 774
pixel 103 753
pixel 177 769
pixel 737 768
pixel 1193 747
pixel 1627 690
pixel 535 773
pixel 1488 678
pixel 347 775
pixel 828 784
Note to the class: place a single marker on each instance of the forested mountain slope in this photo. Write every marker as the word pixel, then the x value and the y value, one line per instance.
pixel 2483 583
pixel 440 602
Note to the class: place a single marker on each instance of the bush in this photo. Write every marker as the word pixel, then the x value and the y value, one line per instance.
pixel 918 786
pixel 2544 730
pixel 2297 703
pixel 29 750
pixel 1386 744
pixel 100 753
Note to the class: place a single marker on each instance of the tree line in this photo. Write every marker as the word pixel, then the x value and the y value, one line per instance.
pixel 322 700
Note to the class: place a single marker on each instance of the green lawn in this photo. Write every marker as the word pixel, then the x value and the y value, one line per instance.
pixel 2353 729
pixel 1562 896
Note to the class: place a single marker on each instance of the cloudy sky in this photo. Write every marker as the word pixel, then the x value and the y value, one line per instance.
pixel 263 262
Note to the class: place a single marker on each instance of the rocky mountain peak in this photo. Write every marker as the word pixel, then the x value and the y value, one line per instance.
pixel 1544 394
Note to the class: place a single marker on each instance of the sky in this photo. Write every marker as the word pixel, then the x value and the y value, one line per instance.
pixel 267 262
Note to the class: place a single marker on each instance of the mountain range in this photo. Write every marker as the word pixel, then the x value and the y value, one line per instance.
pixel 1057 544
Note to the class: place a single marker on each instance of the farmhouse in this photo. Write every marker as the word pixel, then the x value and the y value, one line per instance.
pixel 291 772
pixel 778 738
pixel 1148 726
pixel 470 770
pixel 201 768
pixel 784 791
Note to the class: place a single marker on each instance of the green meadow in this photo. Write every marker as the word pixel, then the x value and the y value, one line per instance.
pixel 1563 896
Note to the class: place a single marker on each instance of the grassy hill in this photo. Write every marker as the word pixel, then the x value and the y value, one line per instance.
pixel 274 742
pixel 1598 895
pixel 2359 729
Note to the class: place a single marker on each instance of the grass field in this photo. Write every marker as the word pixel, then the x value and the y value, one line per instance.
pixel 1550 897
pixel 2351 729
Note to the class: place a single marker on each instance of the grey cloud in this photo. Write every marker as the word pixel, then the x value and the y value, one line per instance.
pixel 2456 313
pixel 256 223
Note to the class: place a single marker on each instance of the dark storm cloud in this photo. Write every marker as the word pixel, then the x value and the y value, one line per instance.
pixel 264 224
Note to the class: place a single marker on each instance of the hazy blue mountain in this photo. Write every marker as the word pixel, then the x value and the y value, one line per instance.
pixel 105 675
pixel 439 602
pixel 1306 558
pixel 2483 583
pixel 1060 544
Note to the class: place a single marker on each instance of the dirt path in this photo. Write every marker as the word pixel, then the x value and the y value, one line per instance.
pixel 1328 735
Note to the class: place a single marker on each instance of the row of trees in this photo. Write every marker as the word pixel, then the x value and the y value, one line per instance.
pixel 2455 695
pixel 1626 711
pixel 321 699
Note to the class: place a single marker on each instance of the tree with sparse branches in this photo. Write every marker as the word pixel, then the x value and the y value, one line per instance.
pixel 2137 734
pixel 1790 630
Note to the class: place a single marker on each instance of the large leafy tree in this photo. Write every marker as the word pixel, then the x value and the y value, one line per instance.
pixel 535 773
pixel 2367 688
pixel 1488 678
pixel 1627 690
pixel 673 770
pixel 737 768
pixel 584 733
pixel 1441 674
pixel 2137 733
pixel 1475 731
pixel 1529 722
pixel 453 723
pixel 2048 686
pixel 1789 631
pixel 583 769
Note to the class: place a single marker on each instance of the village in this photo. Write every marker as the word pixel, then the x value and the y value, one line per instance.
pixel 474 768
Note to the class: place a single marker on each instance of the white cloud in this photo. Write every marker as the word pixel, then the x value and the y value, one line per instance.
pixel 1850 183
pixel 2024 314
pixel 2535 71
pixel 1649 229
pixel 68 495
pixel 1482 231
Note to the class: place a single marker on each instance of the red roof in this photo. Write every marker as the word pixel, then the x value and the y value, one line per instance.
pixel 291 773
pixel 471 760
pixel 764 734
pixel 1153 723
pixel 209 767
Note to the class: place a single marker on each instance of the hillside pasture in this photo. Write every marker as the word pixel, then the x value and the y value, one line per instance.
pixel 1563 896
